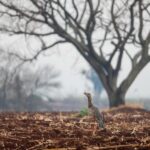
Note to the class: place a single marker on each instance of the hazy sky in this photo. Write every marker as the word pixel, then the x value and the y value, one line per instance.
pixel 69 63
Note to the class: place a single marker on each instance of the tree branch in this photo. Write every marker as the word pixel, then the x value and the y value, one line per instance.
pixel 44 48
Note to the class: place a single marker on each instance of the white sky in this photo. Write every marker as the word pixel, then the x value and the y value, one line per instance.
pixel 66 60
pixel 69 63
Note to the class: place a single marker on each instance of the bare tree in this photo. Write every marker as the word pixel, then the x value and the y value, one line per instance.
pixel 103 31
pixel 41 81
pixel 22 85
pixel 29 85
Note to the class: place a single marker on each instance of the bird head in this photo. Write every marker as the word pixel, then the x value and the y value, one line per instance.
pixel 88 95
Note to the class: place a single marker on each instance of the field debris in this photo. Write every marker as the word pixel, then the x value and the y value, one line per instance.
pixel 125 128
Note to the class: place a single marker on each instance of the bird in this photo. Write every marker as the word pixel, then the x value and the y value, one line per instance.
pixel 93 110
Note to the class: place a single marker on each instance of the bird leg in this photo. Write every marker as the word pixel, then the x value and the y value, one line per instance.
pixel 95 128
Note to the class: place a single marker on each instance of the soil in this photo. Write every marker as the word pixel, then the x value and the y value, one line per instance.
pixel 126 128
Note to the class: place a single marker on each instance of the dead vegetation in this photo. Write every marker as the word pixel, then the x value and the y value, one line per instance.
pixel 126 128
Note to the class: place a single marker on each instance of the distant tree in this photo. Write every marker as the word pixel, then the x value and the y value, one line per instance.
pixel 103 31
pixel 41 81
pixel 8 68
pixel 21 83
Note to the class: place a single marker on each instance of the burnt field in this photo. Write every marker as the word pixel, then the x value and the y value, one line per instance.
pixel 126 128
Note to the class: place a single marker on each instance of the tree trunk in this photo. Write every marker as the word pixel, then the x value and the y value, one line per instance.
pixel 115 95
pixel 109 78
pixel 116 99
